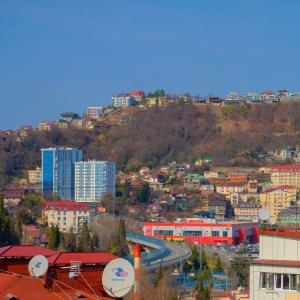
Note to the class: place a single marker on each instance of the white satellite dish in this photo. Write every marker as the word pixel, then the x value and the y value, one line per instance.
pixel 272 220
pixel 264 214
pixel 38 266
pixel 118 278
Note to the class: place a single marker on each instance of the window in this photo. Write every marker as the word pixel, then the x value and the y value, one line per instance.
pixel 215 233
pixel 163 232
pixel 278 281
pixel 225 233
pixel 269 281
pixel 263 280
pixel 286 281
pixel 192 233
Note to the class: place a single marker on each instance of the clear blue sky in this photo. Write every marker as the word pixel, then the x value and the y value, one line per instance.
pixel 61 55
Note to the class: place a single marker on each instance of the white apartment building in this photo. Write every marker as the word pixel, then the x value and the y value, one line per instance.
pixel 94 112
pixel 93 179
pixel 67 214
pixel 276 274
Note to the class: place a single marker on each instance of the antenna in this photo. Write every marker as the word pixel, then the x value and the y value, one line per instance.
pixel 38 266
pixel 272 220
pixel 264 214
pixel 118 278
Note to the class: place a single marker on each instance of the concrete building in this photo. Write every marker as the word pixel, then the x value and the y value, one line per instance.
pixel 203 231
pixel 58 171
pixel 278 198
pixel 127 99
pixel 34 176
pixel 246 211
pixel 284 175
pixel 66 214
pixel 94 112
pixel 229 188
pixel 93 179
pixel 276 274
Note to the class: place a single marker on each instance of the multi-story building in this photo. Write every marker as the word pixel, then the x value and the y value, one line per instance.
pixel 58 171
pixel 251 97
pixel 229 188
pixel 127 99
pixel 34 176
pixel 67 215
pixel 285 175
pixel 203 231
pixel 278 198
pixel 94 112
pixel 93 179
pixel 246 211
pixel 276 274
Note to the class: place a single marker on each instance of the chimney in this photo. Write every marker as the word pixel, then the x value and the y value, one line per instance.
pixel 137 250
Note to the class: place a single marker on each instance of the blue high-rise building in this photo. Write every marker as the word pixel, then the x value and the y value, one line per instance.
pixel 58 171
pixel 93 179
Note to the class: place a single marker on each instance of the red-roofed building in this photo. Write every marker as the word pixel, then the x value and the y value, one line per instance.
pixel 67 271
pixel 285 175
pixel 13 286
pixel 67 214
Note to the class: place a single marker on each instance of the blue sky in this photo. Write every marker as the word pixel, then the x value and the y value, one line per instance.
pixel 61 55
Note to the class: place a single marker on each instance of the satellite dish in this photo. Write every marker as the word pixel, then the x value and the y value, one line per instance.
pixel 264 214
pixel 38 266
pixel 118 278
pixel 272 220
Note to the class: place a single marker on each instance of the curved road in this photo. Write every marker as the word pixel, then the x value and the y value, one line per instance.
pixel 176 252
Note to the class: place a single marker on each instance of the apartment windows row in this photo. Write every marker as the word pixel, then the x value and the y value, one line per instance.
pixel 279 281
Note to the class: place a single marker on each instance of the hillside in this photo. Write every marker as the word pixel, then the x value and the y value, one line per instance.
pixel 158 135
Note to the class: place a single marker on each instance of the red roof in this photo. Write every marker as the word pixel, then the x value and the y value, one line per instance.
pixel 63 258
pixel 66 205
pixel 26 288
pixel 276 188
pixel 275 262
pixel 286 168
pixel 285 232
pixel 136 93
pixel 25 251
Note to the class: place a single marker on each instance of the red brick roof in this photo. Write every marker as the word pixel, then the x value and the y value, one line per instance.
pixel 136 93
pixel 26 288
pixel 63 258
pixel 286 168
pixel 66 205
pixel 25 251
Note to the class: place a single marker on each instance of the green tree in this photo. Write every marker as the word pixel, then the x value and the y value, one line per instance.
pixel 158 276
pixel 94 243
pixel 218 267
pixel 70 241
pixel 240 267
pixel 52 237
pixel 121 240
pixel 85 239
pixel 7 232
pixel 143 193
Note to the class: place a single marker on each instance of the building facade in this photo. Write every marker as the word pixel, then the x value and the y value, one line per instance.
pixel 93 179
pixel 276 274
pixel 278 198
pixel 94 112
pixel 203 231
pixel 58 171
pixel 67 215
pixel 127 99
pixel 285 175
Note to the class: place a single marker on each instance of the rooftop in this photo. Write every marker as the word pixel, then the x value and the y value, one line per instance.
pixel 286 168
pixel 66 205
pixel 25 251
pixel 64 258
pixel 281 232
pixel 23 288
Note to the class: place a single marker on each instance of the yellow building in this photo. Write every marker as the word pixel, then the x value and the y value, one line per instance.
pixel 34 176
pixel 278 198
pixel 285 175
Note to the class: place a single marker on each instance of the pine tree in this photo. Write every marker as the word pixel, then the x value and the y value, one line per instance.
pixel 218 267
pixel 85 238
pixel 51 237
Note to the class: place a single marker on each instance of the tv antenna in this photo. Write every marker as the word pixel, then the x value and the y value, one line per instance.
pixel 118 278
pixel 38 266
